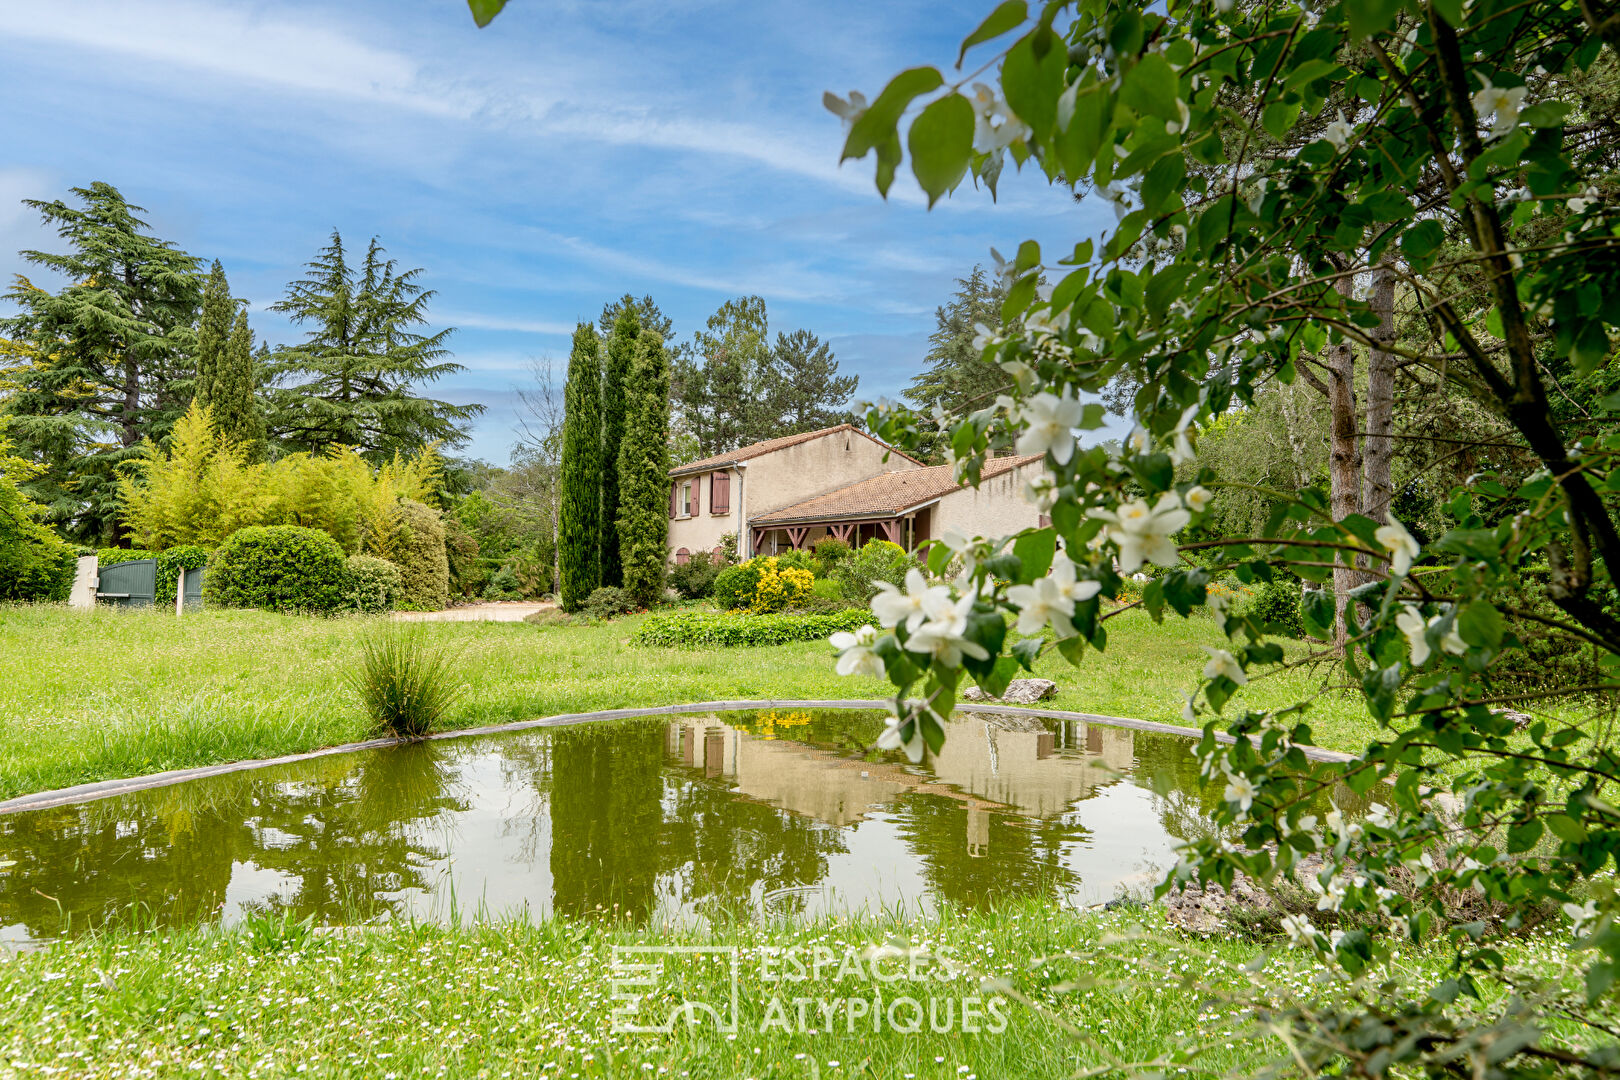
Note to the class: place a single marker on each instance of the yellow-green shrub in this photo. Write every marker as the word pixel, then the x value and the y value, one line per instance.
pixel 780 587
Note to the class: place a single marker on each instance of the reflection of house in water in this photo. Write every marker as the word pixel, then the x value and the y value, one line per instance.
pixel 1037 774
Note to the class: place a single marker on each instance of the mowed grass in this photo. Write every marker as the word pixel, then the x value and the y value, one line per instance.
pixel 88 696
pixel 536 1000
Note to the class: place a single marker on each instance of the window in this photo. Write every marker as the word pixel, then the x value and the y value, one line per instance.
pixel 720 493
pixel 683 556
pixel 686 499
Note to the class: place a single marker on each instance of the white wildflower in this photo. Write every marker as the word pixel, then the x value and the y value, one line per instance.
pixel 1198 498
pixel 1299 930
pixel 1581 914
pixel 891 739
pixel 942 635
pixel 995 126
pixel 1579 203
pixel 1181 449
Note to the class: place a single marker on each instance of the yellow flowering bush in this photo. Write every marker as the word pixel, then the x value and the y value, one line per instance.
pixel 779 587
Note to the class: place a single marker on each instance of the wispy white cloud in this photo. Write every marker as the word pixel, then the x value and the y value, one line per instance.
pixel 482 321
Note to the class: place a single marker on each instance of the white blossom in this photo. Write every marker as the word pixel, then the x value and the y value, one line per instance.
pixel 1450 641
pixel 1500 103
pixel 1050 421
pixel 1051 599
pixel 891 738
pixel 1331 896
pixel 851 110
pixel 984 337
pixel 1143 534
pixel 942 635
pixel 1411 623
pixel 1400 545
pixel 1222 663
pixel 1197 498
pixel 1586 198
pixel 1041 492
pixel 1181 446
pixel 915 603
pixel 1399 926
pixel 1241 790
pixel 1139 440
pixel 1581 914
pixel 1379 816
pixel 1338 133
pixel 855 655
pixel 995 126
pixel 1299 930
pixel 1189 711
pixel 1217 607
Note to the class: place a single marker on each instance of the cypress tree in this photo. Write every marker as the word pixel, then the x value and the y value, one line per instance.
pixel 213 335
pixel 644 473
pixel 579 558
pixel 621 355
pixel 236 392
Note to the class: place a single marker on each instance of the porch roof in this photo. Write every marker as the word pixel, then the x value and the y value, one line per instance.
pixel 886 496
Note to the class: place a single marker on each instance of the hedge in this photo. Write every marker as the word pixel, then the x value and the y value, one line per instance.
pixel 374 584
pixel 277 568
pixel 727 629
pixel 423 564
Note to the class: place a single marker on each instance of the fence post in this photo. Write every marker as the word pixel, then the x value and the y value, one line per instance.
pixel 180 592
pixel 83 594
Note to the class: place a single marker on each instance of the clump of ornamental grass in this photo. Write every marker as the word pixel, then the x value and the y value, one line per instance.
pixel 406 685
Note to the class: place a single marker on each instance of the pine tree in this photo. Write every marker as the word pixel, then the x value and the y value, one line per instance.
pixel 957 379
pixel 726 386
pixel 809 391
pixel 111 354
pixel 237 411
pixel 579 558
pixel 353 381
pixel 644 473
pixel 621 354
pixel 213 334
pixel 646 312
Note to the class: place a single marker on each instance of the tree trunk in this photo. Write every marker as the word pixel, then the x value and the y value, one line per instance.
pixel 1344 457
pixel 1378 450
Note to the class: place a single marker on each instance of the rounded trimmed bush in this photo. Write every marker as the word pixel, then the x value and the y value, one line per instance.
pixel 277 568
pixel 877 560
pixel 374 584
pixel 734 586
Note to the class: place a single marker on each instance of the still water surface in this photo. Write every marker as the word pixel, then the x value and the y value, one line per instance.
pixel 670 819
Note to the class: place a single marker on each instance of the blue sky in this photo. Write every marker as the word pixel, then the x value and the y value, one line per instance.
pixel 567 154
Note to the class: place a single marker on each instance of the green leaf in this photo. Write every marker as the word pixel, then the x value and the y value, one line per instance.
pixel 483 11
pixel 1033 83
pixel 1035 551
pixel 875 128
pixel 941 142
pixel 1151 88
pixel 1006 16
pixel 1279 117
pixel 1368 17
pixel 1566 828
pixel 1480 624
pixel 1421 241
pixel 1310 71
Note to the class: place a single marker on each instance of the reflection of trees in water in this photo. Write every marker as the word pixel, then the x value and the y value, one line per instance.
pixel 606 817
pixel 973 857
pixel 345 845
pixel 156 858
pixel 340 828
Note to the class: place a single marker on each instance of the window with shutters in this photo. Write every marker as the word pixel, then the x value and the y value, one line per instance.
pixel 685 505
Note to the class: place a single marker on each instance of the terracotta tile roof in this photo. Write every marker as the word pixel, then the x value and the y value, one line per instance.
pixel 884 496
pixel 743 453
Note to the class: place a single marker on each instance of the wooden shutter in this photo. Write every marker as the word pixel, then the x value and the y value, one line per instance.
pixel 674 493
pixel 697 495
pixel 720 493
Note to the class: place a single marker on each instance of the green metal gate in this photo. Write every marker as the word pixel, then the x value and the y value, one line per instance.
pixel 191 586
pixel 128 584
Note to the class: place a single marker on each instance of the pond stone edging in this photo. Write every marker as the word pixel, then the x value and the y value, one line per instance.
pixel 106 789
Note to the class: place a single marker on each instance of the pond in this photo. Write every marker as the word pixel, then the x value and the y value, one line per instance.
pixel 673 819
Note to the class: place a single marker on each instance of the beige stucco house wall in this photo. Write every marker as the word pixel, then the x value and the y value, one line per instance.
pixel 766 476
pixel 995 508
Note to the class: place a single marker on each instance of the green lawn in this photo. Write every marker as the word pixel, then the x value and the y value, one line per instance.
pixel 93 696
pixel 531 1000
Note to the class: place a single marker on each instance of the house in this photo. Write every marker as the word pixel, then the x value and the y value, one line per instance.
pixel 838 482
